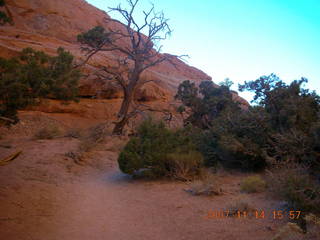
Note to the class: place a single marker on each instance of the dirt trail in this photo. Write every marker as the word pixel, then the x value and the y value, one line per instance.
pixel 44 196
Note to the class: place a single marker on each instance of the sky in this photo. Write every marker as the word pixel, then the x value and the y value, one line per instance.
pixel 242 39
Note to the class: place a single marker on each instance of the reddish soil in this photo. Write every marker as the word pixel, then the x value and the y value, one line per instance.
pixel 45 195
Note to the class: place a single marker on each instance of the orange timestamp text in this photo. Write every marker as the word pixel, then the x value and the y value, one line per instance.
pixel 257 214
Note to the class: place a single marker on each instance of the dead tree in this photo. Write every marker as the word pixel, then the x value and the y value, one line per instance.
pixel 137 47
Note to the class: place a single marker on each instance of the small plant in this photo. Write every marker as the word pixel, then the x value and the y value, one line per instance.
pixel 48 132
pixel 207 185
pixel 75 156
pixel 184 166
pixel 89 139
pixel 291 231
pixel 296 187
pixel 313 226
pixel 239 204
pixel 253 184
pixel 156 151
pixel 73 133
pixel 93 137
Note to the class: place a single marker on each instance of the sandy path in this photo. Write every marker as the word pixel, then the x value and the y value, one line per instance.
pixel 111 207
pixel 41 200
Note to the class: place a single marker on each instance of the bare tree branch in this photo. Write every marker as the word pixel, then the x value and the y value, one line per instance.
pixel 7 119
pixel 138 43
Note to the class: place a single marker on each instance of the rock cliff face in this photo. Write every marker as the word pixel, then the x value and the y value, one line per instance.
pixel 46 25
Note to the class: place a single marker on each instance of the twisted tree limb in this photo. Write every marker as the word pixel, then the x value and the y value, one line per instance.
pixel 10 158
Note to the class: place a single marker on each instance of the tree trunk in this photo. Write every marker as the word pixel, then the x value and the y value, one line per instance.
pixel 118 128
pixel 123 115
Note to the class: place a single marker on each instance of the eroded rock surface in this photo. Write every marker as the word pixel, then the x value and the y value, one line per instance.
pixel 46 25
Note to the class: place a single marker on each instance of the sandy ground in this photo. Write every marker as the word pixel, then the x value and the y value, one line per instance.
pixel 45 195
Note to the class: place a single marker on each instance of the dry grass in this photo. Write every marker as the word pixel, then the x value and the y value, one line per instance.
pixel 74 133
pixel 76 156
pixel 313 226
pixel 89 139
pixel 207 185
pixel 294 185
pixel 240 204
pixel 253 184
pixel 48 132
pixel 185 166
pixel 93 136
pixel 291 231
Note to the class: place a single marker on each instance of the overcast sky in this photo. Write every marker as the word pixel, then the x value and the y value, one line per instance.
pixel 243 39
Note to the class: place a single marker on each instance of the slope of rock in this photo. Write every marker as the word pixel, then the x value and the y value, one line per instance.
pixel 46 25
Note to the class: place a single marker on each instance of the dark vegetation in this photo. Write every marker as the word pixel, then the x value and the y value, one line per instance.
pixel 4 17
pixel 283 125
pixel 24 80
pixel 295 185
pixel 279 133
pixel 157 151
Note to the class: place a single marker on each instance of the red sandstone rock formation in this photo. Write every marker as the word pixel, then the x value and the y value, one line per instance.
pixel 46 25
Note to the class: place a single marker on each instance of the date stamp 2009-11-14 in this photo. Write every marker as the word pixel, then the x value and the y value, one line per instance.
pixel 256 214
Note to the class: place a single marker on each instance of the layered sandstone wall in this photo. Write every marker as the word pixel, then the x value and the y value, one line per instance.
pixel 46 25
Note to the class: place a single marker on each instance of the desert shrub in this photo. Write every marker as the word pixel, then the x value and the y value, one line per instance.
pixel 313 226
pixel 73 133
pixel 283 126
pixel 88 140
pixel 204 109
pixel 184 165
pixel 291 231
pixel 4 18
pixel 293 119
pixel 297 187
pixel 153 152
pixel 34 75
pixel 241 154
pixel 296 146
pixel 236 140
pixel 75 156
pixel 230 135
pixel 208 185
pixel 253 184
pixel 98 132
pixel 240 204
pixel 48 132
pixel 92 137
pixel 207 144
pixel 241 138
